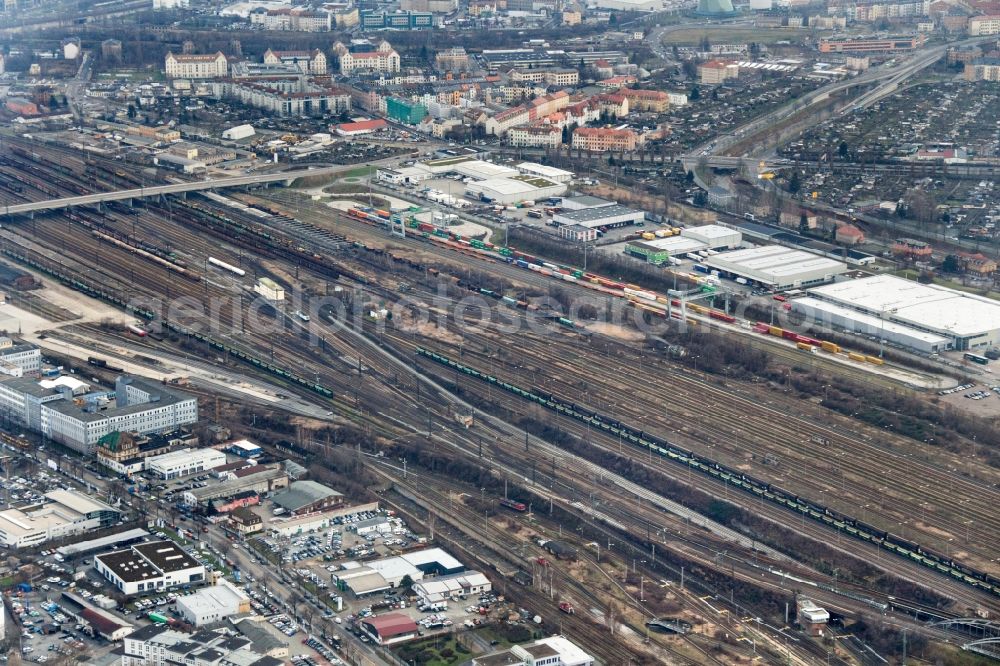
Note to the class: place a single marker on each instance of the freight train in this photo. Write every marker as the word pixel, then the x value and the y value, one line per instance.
pixel 762 489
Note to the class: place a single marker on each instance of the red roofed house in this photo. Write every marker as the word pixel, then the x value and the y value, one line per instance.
pixel 390 628
pixel 362 127
pixel 600 139
pixel 603 69
pixel 848 234
pixel 616 82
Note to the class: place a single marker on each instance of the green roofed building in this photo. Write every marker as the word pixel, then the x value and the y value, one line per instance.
pixel 715 8
pixel 405 111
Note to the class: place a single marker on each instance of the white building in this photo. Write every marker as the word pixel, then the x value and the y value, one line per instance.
pixel 984 25
pixel 776 267
pixel 547 172
pixel 381 59
pixel 443 588
pixel 714 236
pixel 213 604
pixel 171 4
pixel 600 216
pixel 923 316
pixel 64 513
pixel 77 416
pixel 551 651
pixel 515 189
pixel 535 136
pixel 71 48
pixel 149 567
pixel 24 356
pixel 184 462
pixel 309 62
pixel 238 132
pixel 159 645
pixel 208 66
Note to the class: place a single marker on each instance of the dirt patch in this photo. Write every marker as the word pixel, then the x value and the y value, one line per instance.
pixel 614 331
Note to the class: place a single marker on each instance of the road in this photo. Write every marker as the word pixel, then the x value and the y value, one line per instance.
pixel 176 188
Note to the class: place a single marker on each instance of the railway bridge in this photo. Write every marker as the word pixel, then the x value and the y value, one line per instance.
pixel 985 634
pixel 286 177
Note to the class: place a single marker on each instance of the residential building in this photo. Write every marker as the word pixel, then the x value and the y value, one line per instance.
pixel 452 60
pixel 196 66
pixel 715 72
pixel 980 26
pixel 374 20
pixel 292 96
pixel 382 59
pixel 68 411
pixel 535 136
pixel 111 49
pixel 213 604
pixel 848 234
pixel 601 139
pixel 184 462
pixel 159 645
pixel 964 54
pixel 909 247
pixel 571 17
pixel 405 111
pixel 983 69
pixel 154 566
pixel 126 453
pixel 552 76
pixel 499 124
pixel 245 520
pixel 63 513
pixel 978 263
pixel 309 62
pixel 655 101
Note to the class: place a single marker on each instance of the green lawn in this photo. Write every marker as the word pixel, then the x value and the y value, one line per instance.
pixel 441 650
pixel 359 172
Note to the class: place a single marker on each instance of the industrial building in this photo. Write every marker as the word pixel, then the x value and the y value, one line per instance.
pixel 603 216
pixel 514 189
pixel 660 250
pixel 389 572
pixel 554 650
pixel 928 318
pixel 547 172
pixel 72 413
pixel 714 236
pixel 184 462
pixel 442 588
pixel 158 645
pixel 307 497
pixel 213 604
pixel 244 448
pixel 776 268
pixel 149 567
pixel 390 628
pixel 261 479
pixel 64 513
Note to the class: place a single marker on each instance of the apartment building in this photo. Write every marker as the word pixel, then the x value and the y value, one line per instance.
pixel 601 139
pixel 535 136
pixel 310 62
pixel 381 59
pixel 980 26
pixel 206 66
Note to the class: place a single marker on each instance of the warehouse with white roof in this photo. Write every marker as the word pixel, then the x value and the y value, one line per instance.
pixel 925 317
pixel 775 267
pixel 514 189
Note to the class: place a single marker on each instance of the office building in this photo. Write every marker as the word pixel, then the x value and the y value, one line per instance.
pixel 213 604
pixel 154 566
pixel 184 462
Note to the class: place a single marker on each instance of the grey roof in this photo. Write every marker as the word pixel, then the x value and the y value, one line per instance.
pixel 588 201
pixel 598 213
pixel 260 636
pixel 303 493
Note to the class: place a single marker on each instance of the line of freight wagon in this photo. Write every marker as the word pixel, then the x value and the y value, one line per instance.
pixel 489 252
pixel 762 489
pixel 806 343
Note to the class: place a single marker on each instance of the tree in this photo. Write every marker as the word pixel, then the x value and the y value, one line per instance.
pixel 951 264
pixel 695 94
pixel 795 183
pixel 689 177
pixel 132 112
pixel 700 198
pixel 843 149
pixel 803 221
pixel 406 583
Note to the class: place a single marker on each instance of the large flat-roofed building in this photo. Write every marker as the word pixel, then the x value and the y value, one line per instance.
pixel 608 217
pixel 550 173
pixel 554 651
pixel 929 317
pixel 18 358
pixel 307 497
pixel 714 236
pixel 775 267
pixel 149 567
pixel 261 479
pixel 185 462
pixel 514 189
pixel 659 250
pixel 64 513
pixel 213 604
pixel 159 645
pixel 870 44
pixel 442 588
pixel 73 413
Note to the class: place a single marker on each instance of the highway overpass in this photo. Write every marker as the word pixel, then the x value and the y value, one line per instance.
pixel 176 188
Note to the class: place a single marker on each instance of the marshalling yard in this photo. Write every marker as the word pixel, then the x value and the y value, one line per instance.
pixel 712 497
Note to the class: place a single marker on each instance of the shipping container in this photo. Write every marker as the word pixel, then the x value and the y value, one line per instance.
pixel 856 357
pixel 874 359
pixel 830 347
pixel 775 331
pixel 805 346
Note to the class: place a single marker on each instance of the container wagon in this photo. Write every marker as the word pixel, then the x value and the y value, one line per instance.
pixel 226 267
